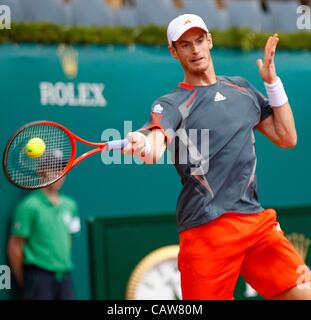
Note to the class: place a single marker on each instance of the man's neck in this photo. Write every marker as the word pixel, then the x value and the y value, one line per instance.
pixel 206 78
pixel 53 195
pixel 202 80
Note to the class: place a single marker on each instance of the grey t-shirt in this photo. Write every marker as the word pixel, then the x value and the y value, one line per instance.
pixel 210 132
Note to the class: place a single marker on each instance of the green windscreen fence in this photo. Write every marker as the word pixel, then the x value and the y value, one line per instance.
pixel 102 92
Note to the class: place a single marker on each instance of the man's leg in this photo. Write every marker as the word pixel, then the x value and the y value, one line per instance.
pixel 65 289
pixel 295 293
pixel 210 259
pixel 38 284
pixel 302 291
pixel 273 267
pixel 207 279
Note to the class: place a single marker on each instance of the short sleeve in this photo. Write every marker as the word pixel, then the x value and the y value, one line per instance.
pixel 22 220
pixel 164 116
pixel 263 102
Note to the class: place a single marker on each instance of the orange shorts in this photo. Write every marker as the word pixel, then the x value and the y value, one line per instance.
pixel 213 255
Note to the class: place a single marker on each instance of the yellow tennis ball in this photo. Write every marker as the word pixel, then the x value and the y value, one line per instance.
pixel 35 148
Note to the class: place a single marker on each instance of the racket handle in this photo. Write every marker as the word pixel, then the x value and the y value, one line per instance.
pixel 117 144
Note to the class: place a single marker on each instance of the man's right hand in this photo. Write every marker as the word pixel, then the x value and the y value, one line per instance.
pixel 149 148
pixel 137 144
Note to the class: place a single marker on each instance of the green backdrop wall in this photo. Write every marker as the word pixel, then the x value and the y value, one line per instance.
pixel 132 78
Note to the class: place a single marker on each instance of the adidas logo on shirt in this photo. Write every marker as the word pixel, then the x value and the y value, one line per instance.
pixel 219 97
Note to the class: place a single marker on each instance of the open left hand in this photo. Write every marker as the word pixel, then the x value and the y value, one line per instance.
pixel 267 68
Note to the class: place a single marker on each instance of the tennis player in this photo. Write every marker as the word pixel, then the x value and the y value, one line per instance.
pixel 223 229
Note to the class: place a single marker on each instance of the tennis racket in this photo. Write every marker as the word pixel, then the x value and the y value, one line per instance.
pixel 55 154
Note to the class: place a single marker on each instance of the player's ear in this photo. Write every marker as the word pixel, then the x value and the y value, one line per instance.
pixel 173 52
pixel 210 40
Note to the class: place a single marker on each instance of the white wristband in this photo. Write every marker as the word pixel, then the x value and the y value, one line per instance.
pixel 276 93
pixel 147 144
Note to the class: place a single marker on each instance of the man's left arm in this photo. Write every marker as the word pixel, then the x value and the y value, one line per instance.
pixel 280 126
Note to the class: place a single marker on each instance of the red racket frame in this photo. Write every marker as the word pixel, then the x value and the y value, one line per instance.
pixel 73 161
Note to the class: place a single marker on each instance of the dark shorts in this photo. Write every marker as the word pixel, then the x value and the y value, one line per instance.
pixel 41 284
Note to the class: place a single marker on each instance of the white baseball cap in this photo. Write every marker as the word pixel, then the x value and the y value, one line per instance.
pixel 183 23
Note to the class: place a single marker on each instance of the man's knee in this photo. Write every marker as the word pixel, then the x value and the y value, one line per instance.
pixel 296 293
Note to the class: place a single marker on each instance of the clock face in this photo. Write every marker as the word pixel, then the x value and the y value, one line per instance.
pixel 156 277
pixel 162 281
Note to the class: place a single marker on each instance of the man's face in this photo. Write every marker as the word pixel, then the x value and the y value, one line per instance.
pixel 58 184
pixel 192 49
pixel 50 175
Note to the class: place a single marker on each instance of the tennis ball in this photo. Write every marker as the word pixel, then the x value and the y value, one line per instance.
pixel 35 148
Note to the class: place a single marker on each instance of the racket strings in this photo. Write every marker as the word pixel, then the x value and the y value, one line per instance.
pixel 35 171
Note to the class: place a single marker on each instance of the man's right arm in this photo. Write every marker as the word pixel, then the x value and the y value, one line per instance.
pixel 16 257
pixel 149 148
